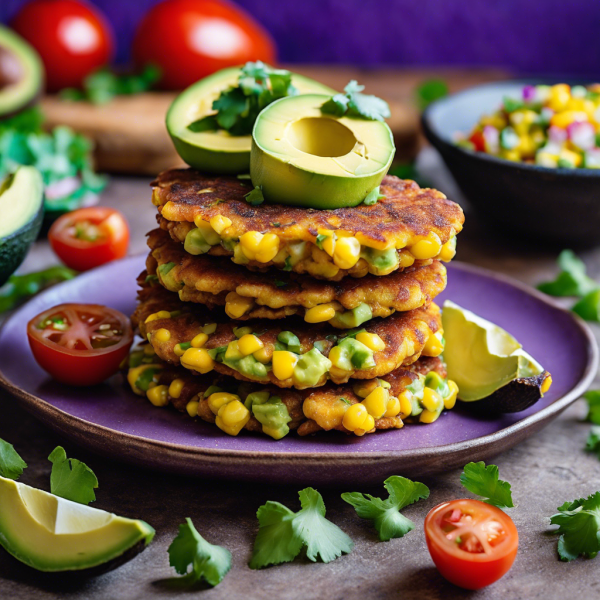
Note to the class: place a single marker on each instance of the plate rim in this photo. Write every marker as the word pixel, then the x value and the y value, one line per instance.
pixel 57 418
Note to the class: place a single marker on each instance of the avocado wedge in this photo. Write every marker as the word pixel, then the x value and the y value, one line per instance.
pixel 50 533
pixel 217 151
pixel 21 73
pixel 488 364
pixel 22 210
pixel 303 157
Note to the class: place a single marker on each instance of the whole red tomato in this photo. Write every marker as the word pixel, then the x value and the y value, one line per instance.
pixel 190 39
pixel 72 37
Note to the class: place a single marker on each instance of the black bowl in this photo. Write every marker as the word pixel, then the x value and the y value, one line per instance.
pixel 558 205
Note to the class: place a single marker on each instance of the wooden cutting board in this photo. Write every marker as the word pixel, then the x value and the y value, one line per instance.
pixel 130 134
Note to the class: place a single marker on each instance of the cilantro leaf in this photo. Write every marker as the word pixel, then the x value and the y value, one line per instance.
pixel 255 197
pixel 483 481
pixel 579 526
pixel 588 308
pixel 387 519
pixel 593 400
pixel 11 464
pixel 593 441
pixel 354 103
pixel 373 197
pixel 283 533
pixel 572 279
pixel 70 478
pixel 429 91
pixel 208 562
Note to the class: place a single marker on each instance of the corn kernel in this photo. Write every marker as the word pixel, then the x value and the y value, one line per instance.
pixel 376 402
pixel 346 253
pixel 162 335
pixel 283 364
pixel 197 359
pixel 405 399
pixel 161 314
pixel 149 350
pixel 428 416
pixel 264 355
pixel 268 248
pixel 427 247
pixel 364 388
pixel 559 97
pixel 371 341
pixel 210 236
pixel 328 244
pixel 158 395
pixel 209 328
pixel 393 407
pixel 249 343
pixel 405 259
pixel 368 424
pixel 134 374
pixel 192 408
pixel 319 314
pixel 178 350
pixel 236 305
pixel 250 242
pixel 546 385
pixel 450 401
pixel 448 250
pixel 176 387
pixel 433 346
pixel 564 119
pixel 220 223
pixel 220 399
pixel 355 417
pixel 432 401
pixel 199 340
pixel 232 417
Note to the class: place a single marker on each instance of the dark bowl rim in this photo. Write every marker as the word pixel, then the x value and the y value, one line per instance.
pixel 436 139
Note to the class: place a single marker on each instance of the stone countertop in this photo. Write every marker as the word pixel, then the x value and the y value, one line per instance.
pixel 546 470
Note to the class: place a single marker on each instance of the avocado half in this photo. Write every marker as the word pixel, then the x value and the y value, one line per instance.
pixel 303 157
pixel 488 364
pixel 22 210
pixel 50 533
pixel 21 73
pixel 217 151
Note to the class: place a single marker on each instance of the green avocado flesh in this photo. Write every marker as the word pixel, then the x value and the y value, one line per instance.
pixel 305 158
pixel 21 73
pixel 480 356
pixel 50 533
pixel 21 215
pixel 217 151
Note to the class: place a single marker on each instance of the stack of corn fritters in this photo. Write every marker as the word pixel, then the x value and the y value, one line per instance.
pixel 273 318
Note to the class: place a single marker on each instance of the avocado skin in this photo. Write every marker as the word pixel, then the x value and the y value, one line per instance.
pixel 14 247
pixel 516 396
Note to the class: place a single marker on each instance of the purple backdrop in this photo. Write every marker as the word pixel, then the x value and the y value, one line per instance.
pixel 527 36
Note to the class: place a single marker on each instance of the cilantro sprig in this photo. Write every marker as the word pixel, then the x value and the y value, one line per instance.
pixel 238 106
pixel 385 514
pixel 483 481
pixel 579 528
pixel 207 561
pixel 70 478
pixel 353 103
pixel 11 464
pixel 593 401
pixel 255 196
pixel 282 533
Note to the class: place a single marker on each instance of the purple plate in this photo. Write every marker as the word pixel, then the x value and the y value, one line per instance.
pixel 112 421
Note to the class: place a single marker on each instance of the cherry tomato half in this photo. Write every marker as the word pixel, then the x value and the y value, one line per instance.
pixel 80 344
pixel 478 141
pixel 89 237
pixel 190 39
pixel 471 543
pixel 72 37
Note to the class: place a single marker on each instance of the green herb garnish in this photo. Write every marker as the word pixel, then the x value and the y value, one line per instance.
pixel 593 401
pixel 373 197
pixel 579 526
pixel 70 478
pixel 353 103
pixel 255 197
pixel 287 266
pixel 593 442
pixel 572 279
pixel 207 561
pixel 483 481
pixel 429 91
pixel 283 533
pixel 11 464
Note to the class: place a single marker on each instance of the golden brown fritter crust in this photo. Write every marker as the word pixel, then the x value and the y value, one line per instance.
pixel 407 211
pixel 277 294
pixel 404 335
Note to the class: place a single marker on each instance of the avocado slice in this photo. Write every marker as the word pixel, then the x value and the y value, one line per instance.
pixel 22 210
pixel 303 157
pixel 50 533
pixel 21 73
pixel 217 151
pixel 487 362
